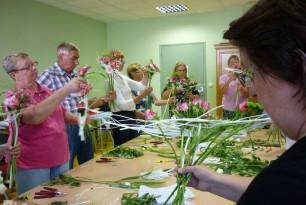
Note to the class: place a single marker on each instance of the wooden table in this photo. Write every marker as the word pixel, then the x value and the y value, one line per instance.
pixel 105 195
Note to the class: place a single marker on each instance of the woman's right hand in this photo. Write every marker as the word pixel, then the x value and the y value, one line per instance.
pixel 201 177
pixel 147 91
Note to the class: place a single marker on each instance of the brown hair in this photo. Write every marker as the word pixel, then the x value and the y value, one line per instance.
pixel 178 64
pixel 235 57
pixel 132 68
pixel 272 34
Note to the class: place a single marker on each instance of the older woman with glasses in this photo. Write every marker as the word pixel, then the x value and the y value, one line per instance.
pixel 42 131
pixel 271 37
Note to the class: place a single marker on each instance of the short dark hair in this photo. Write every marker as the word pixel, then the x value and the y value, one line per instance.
pixel 273 35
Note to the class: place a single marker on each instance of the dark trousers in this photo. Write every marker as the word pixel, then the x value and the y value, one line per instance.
pixel 82 149
pixel 122 136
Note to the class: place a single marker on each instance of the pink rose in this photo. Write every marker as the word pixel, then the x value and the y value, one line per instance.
pixel 243 106
pixel 149 114
pixel 182 107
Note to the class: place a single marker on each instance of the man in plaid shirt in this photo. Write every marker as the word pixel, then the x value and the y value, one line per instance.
pixel 56 77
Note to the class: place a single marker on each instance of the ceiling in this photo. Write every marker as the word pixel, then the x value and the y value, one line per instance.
pixel 125 10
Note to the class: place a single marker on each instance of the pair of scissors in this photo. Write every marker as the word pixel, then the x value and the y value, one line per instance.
pixel 48 192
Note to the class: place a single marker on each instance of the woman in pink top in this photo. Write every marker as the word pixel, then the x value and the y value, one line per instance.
pixel 233 93
pixel 43 136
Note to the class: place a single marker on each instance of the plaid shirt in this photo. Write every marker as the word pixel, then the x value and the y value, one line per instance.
pixel 55 78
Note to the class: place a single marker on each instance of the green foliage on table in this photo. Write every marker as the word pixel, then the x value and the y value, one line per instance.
pixel 124 152
pixel 134 199
pixel 65 179
pixel 234 161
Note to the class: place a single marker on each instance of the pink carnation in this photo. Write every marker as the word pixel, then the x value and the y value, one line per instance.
pixel 182 107
pixel 105 59
pixel 243 106
pixel 153 67
pixel 12 102
pixel 109 69
pixel 172 79
pixel 182 81
pixel 82 71
pixel 196 101
pixel 205 105
pixel 9 94
pixel 149 114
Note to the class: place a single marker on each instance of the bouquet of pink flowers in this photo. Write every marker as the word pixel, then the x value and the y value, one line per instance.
pixel 173 82
pixel 193 109
pixel 14 103
pixel 185 85
pixel 151 68
pixel 111 62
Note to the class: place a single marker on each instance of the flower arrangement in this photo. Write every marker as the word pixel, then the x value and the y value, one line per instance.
pixel 249 108
pixel 196 108
pixel 83 103
pixel 189 155
pixel 14 103
pixel 187 85
pixel 151 68
pixel 111 62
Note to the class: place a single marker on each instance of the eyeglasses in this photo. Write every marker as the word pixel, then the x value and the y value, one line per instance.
pixel 28 67
pixel 246 78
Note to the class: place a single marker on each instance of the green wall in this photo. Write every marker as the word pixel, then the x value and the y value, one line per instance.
pixel 140 40
pixel 36 28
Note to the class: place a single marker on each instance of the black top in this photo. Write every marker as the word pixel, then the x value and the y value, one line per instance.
pixel 282 182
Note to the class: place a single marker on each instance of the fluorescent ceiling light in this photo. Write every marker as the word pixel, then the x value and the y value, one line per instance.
pixel 172 8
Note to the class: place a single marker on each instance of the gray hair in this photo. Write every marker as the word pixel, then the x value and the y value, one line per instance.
pixel 66 47
pixel 9 62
